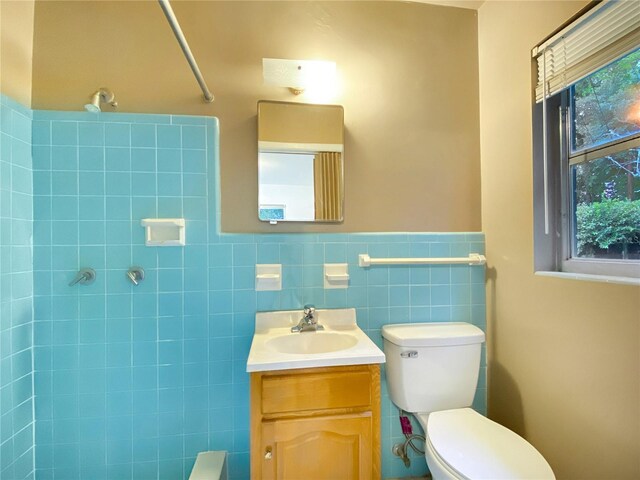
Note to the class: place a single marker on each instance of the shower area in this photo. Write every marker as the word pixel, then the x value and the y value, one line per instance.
pixel 122 384
pixel 117 358
pixel 122 372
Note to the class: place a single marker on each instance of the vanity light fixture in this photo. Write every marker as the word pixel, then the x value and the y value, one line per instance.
pixel 298 75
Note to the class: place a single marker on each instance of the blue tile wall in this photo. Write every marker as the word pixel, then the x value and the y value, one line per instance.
pixel 131 382
pixel 16 292
pixel 122 373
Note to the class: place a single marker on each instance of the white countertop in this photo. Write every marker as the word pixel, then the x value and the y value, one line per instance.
pixel 272 325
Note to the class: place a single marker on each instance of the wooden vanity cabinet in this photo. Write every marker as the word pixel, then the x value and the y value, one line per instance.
pixel 316 424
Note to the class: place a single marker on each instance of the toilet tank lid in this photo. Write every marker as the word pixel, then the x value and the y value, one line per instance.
pixel 432 334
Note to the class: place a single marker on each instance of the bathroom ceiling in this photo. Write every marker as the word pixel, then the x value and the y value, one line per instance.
pixel 470 4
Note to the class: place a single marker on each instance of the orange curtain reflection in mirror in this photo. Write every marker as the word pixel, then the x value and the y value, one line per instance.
pixel 327 173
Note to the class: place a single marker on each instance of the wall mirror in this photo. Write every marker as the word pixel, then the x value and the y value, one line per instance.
pixel 300 162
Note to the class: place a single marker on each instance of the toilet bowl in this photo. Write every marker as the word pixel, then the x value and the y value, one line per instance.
pixel 432 371
pixel 462 444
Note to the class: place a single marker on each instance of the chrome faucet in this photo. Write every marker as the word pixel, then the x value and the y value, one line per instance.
pixel 309 321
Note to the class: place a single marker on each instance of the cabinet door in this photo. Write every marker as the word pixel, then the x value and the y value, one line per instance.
pixel 321 448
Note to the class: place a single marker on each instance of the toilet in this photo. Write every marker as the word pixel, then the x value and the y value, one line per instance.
pixel 432 371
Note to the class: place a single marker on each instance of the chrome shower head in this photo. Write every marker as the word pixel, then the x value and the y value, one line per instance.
pixel 104 95
pixel 94 105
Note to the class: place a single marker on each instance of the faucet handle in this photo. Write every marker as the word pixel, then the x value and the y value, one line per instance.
pixel 85 276
pixel 309 310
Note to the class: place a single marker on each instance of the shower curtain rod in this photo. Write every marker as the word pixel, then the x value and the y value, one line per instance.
pixel 175 26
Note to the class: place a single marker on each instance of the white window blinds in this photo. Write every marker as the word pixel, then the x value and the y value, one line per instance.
pixel 605 33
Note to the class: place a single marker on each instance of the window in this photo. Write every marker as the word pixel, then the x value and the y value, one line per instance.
pixel 605 162
pixel 587 148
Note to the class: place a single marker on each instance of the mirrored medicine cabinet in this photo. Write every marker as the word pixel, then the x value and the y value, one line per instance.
pixel 300 162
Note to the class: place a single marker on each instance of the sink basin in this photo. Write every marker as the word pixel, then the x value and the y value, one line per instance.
pixel 341 342
pixel 311 342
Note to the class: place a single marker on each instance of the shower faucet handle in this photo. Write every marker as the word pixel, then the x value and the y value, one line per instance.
pixel 86 276
pixel 135 274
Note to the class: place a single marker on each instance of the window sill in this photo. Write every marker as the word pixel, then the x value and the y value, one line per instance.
pixel 591 278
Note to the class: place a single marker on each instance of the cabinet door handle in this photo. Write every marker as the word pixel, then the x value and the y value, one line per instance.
pixel 268 455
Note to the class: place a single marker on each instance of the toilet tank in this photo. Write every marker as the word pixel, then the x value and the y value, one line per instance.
pixel 432 366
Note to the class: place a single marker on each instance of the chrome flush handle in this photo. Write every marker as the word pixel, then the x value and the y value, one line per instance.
pixel 409 354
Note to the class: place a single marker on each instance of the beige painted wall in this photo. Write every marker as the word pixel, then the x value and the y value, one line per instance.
pixel 564 355
pixel 16 49
pixel 408 73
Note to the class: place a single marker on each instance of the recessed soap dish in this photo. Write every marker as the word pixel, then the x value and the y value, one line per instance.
pixel 336 275
pixel 164 232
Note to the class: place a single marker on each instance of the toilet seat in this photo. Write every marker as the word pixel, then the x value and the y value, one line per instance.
pixel 471 446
